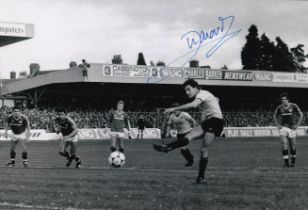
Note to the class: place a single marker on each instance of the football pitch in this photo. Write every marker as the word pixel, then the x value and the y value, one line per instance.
pixel 242 174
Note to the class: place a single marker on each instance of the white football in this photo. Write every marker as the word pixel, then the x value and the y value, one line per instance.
pixel 116 159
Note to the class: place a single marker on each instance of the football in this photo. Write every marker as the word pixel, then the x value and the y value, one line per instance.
pixel 116 159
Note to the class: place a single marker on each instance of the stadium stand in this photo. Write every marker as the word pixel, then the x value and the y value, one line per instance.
pixel 247 98
pixel 43 118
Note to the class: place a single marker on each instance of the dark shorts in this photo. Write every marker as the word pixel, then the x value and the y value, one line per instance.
pixel 213 125
pixel 141 128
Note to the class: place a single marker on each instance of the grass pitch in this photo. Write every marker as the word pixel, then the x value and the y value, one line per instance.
pixel 242 174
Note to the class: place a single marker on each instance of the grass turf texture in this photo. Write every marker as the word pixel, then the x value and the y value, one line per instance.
pixel 242 174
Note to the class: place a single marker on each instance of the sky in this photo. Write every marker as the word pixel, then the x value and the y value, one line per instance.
pixel 70 30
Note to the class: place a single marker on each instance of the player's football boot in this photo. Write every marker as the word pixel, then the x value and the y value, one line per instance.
pixel 292 164
pixel 286 165
pixel 162 148
pixel 189 164
pixel 78 164
pixel 68 157
pixel 11 164
pixel 200 180
pixel 25 163
pixel 69 162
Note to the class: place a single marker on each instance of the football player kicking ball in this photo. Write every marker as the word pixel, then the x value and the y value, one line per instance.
pixel 67 127
pixel 211 126
pixel 182 121
pixel 285 119
pixel 19 124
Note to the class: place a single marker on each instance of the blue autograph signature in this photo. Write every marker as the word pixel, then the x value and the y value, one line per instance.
pixel 195 40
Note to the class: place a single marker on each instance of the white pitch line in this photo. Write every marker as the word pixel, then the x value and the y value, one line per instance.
pixel 27 206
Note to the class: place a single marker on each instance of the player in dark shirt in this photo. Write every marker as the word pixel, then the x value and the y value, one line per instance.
pixel 285 119
pixel 67 127
pixel 141 126
pixel 118 126
pixel 19 124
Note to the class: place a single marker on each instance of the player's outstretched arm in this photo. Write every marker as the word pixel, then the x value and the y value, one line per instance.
pixel 128 126
pixel 74 127
pixel 193 104
pixel 276 121
pixel 301 116
pixel 110 118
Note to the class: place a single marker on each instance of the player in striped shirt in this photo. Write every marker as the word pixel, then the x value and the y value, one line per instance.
pixel 119 123
pixel 211 126
pixel 285 119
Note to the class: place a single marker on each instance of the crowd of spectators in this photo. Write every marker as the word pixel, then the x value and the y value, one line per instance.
pixel 43 118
